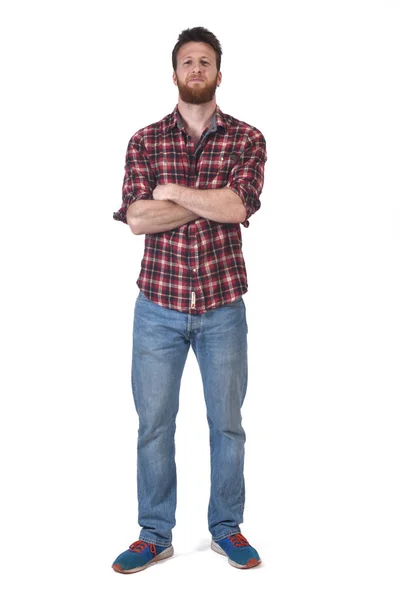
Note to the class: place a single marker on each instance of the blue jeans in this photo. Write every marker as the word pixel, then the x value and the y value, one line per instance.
pixel 161 341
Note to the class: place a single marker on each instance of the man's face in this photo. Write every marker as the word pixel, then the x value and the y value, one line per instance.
pixel 196 73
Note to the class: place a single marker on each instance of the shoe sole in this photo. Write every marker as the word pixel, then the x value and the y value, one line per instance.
pixel 167 553
pixel 253 562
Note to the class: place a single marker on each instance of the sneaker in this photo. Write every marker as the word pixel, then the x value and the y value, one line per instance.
pixel 139 556
pixel 238 550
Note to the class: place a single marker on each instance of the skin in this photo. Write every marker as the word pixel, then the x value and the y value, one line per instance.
pixel 174 205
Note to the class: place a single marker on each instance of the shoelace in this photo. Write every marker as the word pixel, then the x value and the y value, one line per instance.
pixel 140 546
pixel 238 540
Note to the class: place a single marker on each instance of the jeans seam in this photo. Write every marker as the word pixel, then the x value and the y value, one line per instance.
pixel 143 539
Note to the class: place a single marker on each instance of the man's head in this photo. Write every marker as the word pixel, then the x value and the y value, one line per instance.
pixel 196 59
pixel 197 34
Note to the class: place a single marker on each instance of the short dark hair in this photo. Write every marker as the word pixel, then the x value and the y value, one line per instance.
pixel 197 34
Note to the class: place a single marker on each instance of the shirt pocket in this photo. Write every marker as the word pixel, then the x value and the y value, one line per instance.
pixel 213 173
pixel 168 167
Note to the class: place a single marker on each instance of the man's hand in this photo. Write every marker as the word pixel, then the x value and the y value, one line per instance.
pixel 163 192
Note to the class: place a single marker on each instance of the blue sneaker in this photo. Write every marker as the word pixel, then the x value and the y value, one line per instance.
pixel 238 550
pixel 139 556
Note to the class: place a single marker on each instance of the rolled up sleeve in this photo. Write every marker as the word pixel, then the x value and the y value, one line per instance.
pixel 247 176
pixel 138 181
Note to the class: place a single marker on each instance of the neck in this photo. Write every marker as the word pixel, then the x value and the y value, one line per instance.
pixel 196 117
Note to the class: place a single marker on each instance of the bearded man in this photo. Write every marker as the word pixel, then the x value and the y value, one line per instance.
pixel 190 180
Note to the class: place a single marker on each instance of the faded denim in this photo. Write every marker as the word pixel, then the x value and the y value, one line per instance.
pixel 161 341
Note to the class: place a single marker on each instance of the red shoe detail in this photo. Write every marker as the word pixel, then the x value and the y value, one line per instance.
pixel 117 568
pixel 238 540
pixel 139 546
pixel 253 562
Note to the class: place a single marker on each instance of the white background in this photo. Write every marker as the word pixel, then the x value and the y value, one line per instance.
pixel 320 79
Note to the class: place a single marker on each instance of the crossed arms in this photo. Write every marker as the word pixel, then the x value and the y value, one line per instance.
pixel 151 208
pixel 174 205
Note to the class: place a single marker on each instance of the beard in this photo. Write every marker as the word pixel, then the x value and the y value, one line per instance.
pixel 197 94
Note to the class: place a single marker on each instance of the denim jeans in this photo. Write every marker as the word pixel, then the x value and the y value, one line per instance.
pixel 161 341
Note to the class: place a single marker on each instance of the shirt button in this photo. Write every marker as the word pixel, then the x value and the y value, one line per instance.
pixel 194 270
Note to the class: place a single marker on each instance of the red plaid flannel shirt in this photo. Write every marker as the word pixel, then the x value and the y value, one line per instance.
pixel 200 265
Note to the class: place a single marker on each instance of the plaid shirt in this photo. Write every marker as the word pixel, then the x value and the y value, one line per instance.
pixel 197 266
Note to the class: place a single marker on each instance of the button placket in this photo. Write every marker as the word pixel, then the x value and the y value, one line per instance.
pixel 193 264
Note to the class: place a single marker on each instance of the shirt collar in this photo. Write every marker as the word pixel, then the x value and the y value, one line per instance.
pixel 218 120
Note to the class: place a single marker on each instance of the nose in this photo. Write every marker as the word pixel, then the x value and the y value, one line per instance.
pixel 196 68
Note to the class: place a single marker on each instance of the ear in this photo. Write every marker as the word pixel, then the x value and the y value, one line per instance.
pixel 174 78
pixel 219 79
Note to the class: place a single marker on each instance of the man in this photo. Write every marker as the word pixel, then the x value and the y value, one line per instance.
pixel 190 181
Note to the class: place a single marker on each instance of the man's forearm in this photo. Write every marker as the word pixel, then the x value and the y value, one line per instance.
pixel 222 205
pixel 155 216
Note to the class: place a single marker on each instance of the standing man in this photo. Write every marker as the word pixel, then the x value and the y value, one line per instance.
pixel 190 181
